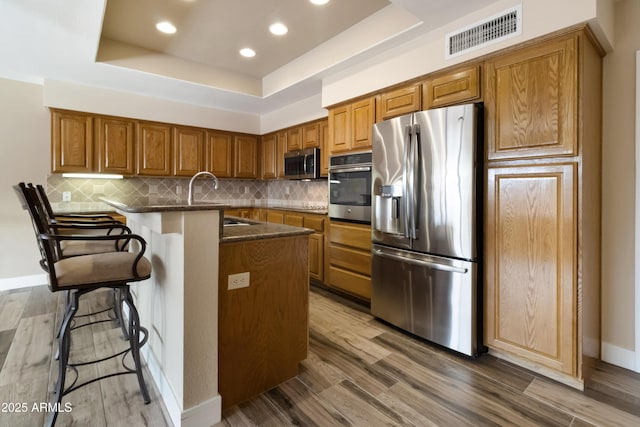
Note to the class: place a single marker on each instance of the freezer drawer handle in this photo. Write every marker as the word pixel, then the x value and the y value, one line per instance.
pixel 433 265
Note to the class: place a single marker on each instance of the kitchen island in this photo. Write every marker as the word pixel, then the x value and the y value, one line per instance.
pixel 179 304
pixel 263 307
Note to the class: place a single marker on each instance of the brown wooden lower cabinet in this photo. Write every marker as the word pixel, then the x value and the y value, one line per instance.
pixel 531 259
pixel 266 321
pixel 350 258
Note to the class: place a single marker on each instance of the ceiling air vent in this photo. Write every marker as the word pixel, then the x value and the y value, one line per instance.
pixel 496 28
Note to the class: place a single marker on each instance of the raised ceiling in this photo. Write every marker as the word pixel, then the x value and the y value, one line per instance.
pixel 211 32
pixel 113 44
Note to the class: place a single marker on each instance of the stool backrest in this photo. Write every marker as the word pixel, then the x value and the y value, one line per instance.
pixel 44 199
pixel 48 248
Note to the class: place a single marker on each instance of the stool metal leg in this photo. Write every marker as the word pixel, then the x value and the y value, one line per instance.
pixel 64 347
pixel 134 339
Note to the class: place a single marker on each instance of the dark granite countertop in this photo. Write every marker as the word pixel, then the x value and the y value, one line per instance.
pixel 157 204
pixel 259 230
pixel 317 211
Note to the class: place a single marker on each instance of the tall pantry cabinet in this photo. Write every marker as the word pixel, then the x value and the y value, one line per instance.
pixel 542 234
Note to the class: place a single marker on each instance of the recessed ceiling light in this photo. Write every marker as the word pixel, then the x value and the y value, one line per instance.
pixel 319 2
pixel 166 27
pixel 247 52
pixel 279 29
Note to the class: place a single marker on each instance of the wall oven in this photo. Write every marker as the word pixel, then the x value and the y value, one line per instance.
pixel 350 187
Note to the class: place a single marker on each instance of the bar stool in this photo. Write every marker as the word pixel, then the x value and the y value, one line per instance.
pixel 65 224
pixel 80 275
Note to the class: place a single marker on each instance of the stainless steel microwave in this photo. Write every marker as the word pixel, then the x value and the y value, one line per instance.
pixel 302 164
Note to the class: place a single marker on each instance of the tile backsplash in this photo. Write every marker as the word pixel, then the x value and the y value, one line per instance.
pixel 285 193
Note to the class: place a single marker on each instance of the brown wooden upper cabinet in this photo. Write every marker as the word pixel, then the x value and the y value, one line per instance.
pixel 219 154
pixel 232 155
pixel 245 156
pixel 532 102
pixel 269 150
pixel 153 149
pixel 396 102
pixel 324 147
pixel 311 135
pixel 115 138
pixel 282 148
pixel 273 147
pixel 294 139
pixel 350 126
pixel 188 151
pixel 71 142
pixel 451 87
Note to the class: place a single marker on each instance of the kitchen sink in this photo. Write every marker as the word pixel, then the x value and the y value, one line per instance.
pixel 231 222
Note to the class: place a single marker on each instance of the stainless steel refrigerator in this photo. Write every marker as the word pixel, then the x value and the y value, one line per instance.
pixel 426 224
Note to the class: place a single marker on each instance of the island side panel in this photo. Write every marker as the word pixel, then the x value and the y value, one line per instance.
pixel 263 328
pixel 179 307
pixel 160 302
pixel 201 251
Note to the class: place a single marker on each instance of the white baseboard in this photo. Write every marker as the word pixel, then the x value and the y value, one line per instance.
pixel 23 282
pixel 203 415
pixel 619 356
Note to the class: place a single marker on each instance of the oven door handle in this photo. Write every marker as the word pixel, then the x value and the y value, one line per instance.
pixel 347 170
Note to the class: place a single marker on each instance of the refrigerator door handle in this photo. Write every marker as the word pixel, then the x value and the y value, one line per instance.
pixel 420 263
pixel 413 158
pixel 405 174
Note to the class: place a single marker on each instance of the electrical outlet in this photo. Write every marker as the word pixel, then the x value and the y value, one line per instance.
pixel 239 280
pixel 178 189
pixel 66 196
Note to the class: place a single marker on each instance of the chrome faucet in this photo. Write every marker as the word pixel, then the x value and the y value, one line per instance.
pixel 194 177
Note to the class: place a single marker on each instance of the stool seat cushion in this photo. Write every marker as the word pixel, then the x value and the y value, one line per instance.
pixel 87 270
pixel 86 247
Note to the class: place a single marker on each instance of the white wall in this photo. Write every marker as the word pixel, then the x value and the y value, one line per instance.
pixel 110 102
pixel 426 53
pixel 618 184
pixel 25 142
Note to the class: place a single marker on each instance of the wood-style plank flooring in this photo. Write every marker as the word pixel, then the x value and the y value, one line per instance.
pixel 359 372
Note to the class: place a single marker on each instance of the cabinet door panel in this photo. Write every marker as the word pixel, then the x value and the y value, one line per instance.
pixel 531 99
pixel 531 261
pixel 72 142
pixel 400 101
pixel 293 219
pixel 452 88
pixel 220 154
pixel 316 256
pixel 294 139
pixel 363 113
pixel 153 149
pixel 324 148
pixel 188 151
pixel 311 136
pixel 275 217
pixel 115 145
pixel 281 149
pixel 339 129
pixel 246 156
pixel 269 151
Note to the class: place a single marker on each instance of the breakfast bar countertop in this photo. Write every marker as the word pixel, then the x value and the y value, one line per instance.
pixel 159 204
